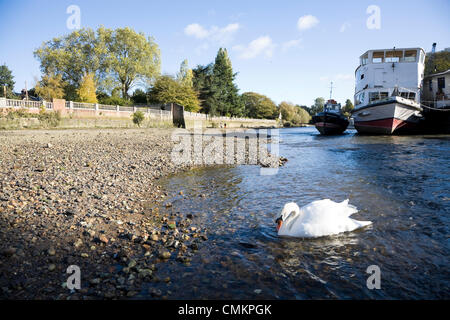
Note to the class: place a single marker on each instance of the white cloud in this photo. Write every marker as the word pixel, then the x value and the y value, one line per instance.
pixel 344 27
pixel 290 44
pixel 307 22
pixel 221 35
pixel 261 45
pixel 345 77
pixel 196 30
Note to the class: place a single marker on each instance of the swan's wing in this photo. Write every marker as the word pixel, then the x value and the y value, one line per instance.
pixel 327 209
pixel 346 209
pixel 361 224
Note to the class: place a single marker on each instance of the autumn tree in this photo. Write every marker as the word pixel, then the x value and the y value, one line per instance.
pixel 86 92
pixel 348 107
pixel 259 106
pixel 72 56
pixel 293 113
pixel 131 57
pixel 168 90
pixel 50 87
pixel 119 57
pixel 185 75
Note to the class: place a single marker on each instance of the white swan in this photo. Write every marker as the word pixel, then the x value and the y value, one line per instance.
pixel 317 219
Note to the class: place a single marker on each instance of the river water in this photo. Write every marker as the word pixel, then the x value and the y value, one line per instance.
pixel 400 183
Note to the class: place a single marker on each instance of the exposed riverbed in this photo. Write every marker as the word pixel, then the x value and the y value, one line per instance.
pixel 113 203
pixel 401 183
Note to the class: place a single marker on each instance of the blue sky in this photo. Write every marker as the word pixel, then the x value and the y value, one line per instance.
pixel 287 50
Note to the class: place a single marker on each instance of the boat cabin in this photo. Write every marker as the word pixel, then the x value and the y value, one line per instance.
pixel 332 106
pixel 386 72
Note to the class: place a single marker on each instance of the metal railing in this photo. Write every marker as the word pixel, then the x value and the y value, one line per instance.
pixel 13 103
pixel 107 107
pixel 82 105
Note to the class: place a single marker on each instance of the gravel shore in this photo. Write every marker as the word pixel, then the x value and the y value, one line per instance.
pixel 89 198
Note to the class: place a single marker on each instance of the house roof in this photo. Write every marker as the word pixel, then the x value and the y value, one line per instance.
pixel 437 74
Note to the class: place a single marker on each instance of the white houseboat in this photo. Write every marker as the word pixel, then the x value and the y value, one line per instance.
pixel 387 91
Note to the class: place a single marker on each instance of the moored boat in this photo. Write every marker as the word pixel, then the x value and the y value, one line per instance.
pixel 387 97
pixel 330 121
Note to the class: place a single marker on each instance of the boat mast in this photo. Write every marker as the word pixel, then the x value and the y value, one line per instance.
pixel 331 90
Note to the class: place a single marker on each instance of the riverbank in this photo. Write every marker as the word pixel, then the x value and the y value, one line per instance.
pixel 89 198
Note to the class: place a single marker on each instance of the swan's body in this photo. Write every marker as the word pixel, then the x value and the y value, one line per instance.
pixel 317 219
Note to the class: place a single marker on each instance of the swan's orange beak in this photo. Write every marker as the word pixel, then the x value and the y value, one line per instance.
pixel 279 222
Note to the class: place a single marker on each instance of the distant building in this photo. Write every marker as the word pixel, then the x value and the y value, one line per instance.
pixel 436 89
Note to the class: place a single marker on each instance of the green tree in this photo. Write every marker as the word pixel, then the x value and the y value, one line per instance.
pixel 139 97
pixel 294 114
pixel 119 57
pixel 317 106
pixel 229 102
pixel 50 87
pixel 86 92
pixel 287 110
pixel 131 57
pixel 439 63
pixel 348 107
pixel 6 80
pixel 207 92
pixel 168 90
pixel 259 106
pixel 185 75
pixel 74 55
pixel 304 116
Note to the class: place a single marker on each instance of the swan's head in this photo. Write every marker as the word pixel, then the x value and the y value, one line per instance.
pixel 289 209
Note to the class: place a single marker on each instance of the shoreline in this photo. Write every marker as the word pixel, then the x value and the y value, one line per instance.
pixel 89 198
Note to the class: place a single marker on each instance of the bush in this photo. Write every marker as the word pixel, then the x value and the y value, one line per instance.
pixel 20 113
pixel 50 119
pixel 138 118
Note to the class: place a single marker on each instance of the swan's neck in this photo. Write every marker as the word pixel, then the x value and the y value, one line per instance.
pixel 292 218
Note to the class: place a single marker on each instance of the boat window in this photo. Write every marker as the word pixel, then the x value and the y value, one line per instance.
pixel 408 95
pixel 359 98
pixel 394 56
pixel 362 76
pixel 378 57
pixel 364 59
pixel 430 85
pixel 410 55
pixel 374 96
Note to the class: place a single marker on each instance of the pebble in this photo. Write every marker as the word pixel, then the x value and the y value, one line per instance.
pixel 9 251
pixel 164 254
pixel 78 243
pixel 82 191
